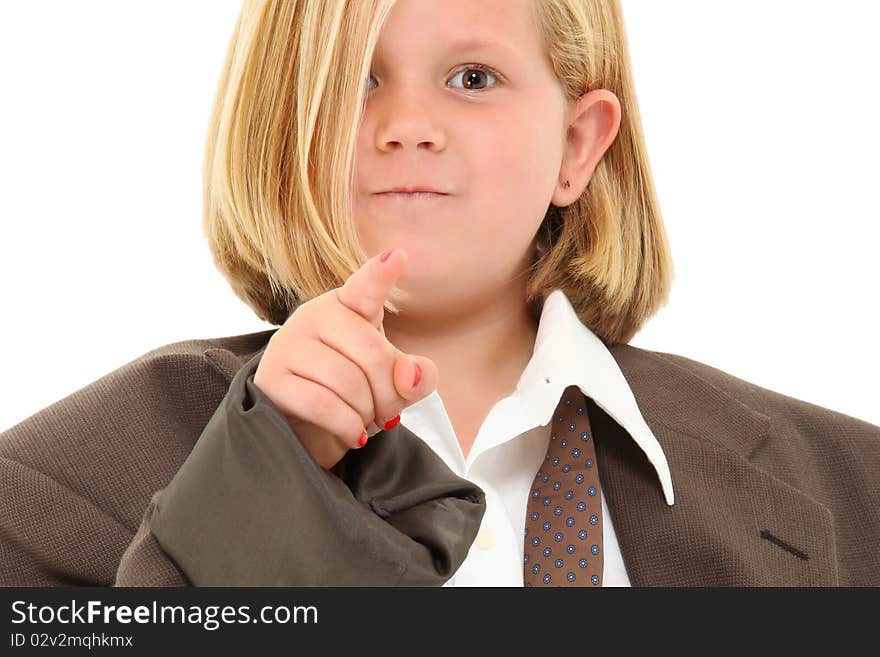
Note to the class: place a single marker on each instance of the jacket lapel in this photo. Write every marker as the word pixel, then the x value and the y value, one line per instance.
pixel 732 523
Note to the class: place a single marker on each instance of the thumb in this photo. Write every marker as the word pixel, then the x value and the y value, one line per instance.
pixel 415 376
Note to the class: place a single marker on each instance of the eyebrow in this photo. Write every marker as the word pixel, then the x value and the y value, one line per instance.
pixel 478 43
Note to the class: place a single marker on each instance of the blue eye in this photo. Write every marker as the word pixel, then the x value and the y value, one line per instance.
pixel 485 70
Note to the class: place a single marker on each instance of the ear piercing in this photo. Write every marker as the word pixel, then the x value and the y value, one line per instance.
pixel 566 184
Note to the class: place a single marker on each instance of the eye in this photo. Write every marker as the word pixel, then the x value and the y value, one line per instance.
pixel 470 79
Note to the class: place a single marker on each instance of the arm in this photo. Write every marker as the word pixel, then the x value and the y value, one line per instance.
pixel 52 536
pixel 250 506
pixel 247 506
pixel 144 563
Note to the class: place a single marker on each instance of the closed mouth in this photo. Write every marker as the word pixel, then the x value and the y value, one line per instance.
pixel 412 195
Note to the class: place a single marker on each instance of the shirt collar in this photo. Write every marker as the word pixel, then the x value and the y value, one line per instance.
pixel 566 353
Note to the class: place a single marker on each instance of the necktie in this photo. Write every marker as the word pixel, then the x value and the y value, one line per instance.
pixel 563 533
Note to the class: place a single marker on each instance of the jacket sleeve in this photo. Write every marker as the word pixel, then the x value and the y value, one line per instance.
pixel 52 536
pixel 144 562
pixel 246 503
pixel 251 507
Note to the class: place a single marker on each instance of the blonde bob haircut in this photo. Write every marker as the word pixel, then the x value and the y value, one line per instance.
pixel 280 149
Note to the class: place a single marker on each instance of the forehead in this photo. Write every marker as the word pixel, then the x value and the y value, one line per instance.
pixel 502 26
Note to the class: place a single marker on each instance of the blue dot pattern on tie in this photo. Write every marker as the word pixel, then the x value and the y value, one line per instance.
pixel 563 533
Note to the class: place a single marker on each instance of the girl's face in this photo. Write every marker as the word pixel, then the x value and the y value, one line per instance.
pixel 461 98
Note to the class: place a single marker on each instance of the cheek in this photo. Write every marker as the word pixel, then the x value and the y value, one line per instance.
pixel 519 150
pixel 367 231
pixel 517 170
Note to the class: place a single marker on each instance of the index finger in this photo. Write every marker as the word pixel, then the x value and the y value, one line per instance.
pixel 367 289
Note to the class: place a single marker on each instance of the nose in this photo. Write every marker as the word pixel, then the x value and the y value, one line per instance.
pixel 404 121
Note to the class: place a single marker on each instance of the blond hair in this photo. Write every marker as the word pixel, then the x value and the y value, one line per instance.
pixel 280 149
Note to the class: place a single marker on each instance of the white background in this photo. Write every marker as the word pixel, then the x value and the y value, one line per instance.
pixel 762 131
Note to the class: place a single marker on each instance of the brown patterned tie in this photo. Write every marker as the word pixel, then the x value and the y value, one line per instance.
pixel 563 533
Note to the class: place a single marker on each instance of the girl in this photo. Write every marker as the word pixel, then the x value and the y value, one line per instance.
pixel 447 208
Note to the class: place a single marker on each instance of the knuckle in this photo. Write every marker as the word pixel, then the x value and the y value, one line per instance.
pixel 300 311
pixel 305 352
pixel 305 311
pixel 321 402
pixel 374 355
pixel 351 384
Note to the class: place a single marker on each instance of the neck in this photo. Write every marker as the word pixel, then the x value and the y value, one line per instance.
pixel 486 340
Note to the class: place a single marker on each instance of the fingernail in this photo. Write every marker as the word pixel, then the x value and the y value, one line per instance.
pixel 390 424
pixel 363 440
pixel 385 255
pixel 418 376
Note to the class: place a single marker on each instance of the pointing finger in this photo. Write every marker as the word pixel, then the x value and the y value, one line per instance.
pixel 367 289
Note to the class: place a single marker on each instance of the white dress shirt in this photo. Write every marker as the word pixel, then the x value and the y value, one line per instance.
pixel 511 443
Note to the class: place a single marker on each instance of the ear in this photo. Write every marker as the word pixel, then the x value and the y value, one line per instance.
pixel 593 123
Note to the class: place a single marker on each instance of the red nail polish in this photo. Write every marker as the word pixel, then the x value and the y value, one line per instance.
pixel 385 255
pixel 390 424
pixel 363 440
pixel 418 376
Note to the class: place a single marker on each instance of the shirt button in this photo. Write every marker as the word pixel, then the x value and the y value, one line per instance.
pixel 486 538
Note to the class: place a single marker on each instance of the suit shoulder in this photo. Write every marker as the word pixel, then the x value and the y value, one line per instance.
pixel 121 437
pixel 241 345
pixel 766 400
pixel 229 349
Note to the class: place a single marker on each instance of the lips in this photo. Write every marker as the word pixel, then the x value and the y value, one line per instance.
pixel 412 196
pixel 411 189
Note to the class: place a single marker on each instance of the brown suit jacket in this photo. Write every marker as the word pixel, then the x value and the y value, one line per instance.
pixel 176 470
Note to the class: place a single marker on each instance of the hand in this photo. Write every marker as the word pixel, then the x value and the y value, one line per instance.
pixel 331 370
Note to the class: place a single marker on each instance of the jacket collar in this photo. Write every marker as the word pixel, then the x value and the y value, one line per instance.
pixel 733 522
pixel 677 398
